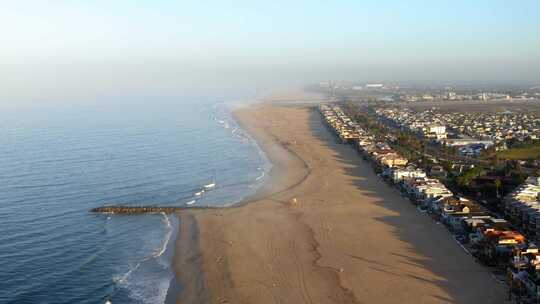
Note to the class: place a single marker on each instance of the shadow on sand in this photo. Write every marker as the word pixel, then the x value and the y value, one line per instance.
pixel 426 248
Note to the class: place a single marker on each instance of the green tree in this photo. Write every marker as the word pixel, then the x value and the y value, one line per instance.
pixel 495 160
pixel 466 177
pixel 498 184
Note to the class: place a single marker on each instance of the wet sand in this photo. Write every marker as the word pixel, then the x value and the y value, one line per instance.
pixel 324 229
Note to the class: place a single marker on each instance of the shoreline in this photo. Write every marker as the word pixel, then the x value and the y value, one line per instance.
pixel 277 167
pixel 187 285
pixel 189 237
pixel 286 164
pixel 327 230
pixel 288 170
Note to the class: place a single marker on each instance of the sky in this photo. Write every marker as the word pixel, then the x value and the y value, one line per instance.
pixel 74 49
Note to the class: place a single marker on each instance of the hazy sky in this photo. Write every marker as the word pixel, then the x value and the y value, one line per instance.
pixel 60 48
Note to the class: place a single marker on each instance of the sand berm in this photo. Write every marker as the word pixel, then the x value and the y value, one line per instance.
pixel 323 229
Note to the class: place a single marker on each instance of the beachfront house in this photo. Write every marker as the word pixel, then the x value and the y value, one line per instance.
pixel 522 207
pixel 393 160
pixel 400 174
pixel 423 189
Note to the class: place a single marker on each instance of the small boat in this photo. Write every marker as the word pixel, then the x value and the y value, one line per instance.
pixel 199 193
pixel 191 202
pixel 108 302
pixel 210 186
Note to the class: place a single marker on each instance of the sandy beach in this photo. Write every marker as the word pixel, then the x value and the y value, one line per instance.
pixel 323 229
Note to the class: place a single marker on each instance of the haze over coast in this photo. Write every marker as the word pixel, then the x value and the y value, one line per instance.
pixel 71 51
pixel 181 104
pixel 325 229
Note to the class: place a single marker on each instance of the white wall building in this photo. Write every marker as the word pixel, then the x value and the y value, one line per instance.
pixel 437 132
pixel 400 174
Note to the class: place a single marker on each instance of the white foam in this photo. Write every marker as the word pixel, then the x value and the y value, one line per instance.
pixel 260 176
pixel 156 253
pixel 226 119
pixel 150 290
pixel 209 186
pixel 123 278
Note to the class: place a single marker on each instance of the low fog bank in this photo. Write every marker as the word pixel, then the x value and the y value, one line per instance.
pixel 45 83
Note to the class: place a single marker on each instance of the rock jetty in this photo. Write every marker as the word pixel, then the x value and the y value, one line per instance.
pixel 134 209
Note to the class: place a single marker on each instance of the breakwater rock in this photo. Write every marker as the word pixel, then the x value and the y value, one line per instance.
pixel 134 209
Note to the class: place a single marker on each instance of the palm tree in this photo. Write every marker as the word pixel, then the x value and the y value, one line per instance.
pixel 497 186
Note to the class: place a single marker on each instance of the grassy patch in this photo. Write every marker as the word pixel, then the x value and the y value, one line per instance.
pixel 522 153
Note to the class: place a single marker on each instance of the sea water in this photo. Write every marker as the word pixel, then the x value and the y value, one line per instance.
pixel 58 163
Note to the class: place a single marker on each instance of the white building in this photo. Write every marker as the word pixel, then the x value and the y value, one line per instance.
pixel 400 174
pixel 437 132
pixel 374 86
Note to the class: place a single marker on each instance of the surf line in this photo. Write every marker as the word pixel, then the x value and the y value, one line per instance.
pixel 155 254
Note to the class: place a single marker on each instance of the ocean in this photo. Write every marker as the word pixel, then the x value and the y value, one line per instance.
pixel 57 163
